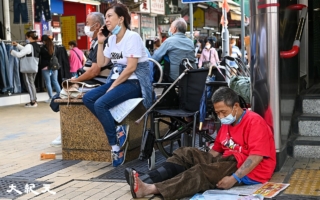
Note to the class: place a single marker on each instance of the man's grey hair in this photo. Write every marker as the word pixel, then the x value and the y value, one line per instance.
pixel 180 24
pixel 226 95
pixel 97 17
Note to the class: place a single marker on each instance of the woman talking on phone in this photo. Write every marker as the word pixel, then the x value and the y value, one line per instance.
pixel 129 77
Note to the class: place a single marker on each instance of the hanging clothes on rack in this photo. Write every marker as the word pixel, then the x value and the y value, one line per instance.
pixel 20 8
pixel 13 69
pixel 64 71
pixel 10 81
pixel 5 74
pixel 42 6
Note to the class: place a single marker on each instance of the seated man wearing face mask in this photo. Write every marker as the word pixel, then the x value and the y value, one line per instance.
pixel 93 73
pixel 243 153
pixel 175 48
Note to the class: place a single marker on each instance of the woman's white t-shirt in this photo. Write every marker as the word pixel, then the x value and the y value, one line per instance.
pixel 131 45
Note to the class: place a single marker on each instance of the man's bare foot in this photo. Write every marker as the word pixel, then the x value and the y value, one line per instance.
pixel 142 189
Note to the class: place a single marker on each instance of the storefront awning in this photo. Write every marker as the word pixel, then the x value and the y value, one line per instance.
pixel 235 10
pixel 90 2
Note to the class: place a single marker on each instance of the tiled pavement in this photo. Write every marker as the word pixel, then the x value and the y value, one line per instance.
pixel 25 133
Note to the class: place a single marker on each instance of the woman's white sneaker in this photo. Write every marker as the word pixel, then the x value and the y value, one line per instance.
pixel 31 105
pixel 56 142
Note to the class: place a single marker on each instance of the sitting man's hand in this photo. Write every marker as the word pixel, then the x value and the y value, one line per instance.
pixel 226 183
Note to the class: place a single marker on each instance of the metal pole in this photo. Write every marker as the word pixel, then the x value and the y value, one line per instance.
pixel 7 20
pixel 242 30
pixel 191 20
pixel 225 35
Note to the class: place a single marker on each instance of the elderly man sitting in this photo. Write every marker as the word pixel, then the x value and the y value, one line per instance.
pixel 243 153
pixel 176 48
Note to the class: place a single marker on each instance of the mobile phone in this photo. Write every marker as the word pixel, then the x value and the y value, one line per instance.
pixel 105 31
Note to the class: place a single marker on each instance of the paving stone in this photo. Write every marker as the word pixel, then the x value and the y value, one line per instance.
pixel 91 185
pixel 72 195
pixel 125 196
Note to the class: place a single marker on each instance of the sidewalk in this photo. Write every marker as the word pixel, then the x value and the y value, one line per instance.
pixel 25 133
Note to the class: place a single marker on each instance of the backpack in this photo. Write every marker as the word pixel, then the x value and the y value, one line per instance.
pixel 54 63
pixel 242 86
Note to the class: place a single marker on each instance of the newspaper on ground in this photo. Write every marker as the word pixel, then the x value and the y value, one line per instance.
pixel 219 196
pixel 270 190
pixel 119 112
pixel 244 189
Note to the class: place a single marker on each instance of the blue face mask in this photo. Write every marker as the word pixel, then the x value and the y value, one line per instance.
pixel 228 119
pixel 169 33
pixel 116 30
pixel 27 41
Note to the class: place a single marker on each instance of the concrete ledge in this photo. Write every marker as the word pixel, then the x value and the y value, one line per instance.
pixel 83 136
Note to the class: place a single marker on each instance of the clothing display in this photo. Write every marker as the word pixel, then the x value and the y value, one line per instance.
pixel 9 70
pixel 20 8
pixel 12 81
pixel 62 55
pixel 42 6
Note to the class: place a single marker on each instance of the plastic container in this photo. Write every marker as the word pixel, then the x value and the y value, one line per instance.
pixel 45 156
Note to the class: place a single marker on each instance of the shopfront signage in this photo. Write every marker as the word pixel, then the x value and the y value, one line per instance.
pixel 80 29
pixel 37 27
pixel 68 29
pixel 145 7
pixel 45 26
pixel 147 22
pixel 56 6
pixel 55 24
pixel 157 7
pixel 27 27
pixel 193 1
pixel 198 18
pixel 211 18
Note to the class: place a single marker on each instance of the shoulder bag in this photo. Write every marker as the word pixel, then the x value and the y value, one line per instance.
pixel 29 64
pixel 75 89
pixel 207 64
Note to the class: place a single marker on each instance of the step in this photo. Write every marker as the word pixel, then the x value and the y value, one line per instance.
pixel 309 124
pixel 311 104
pixel 306 147
pixel 14 99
